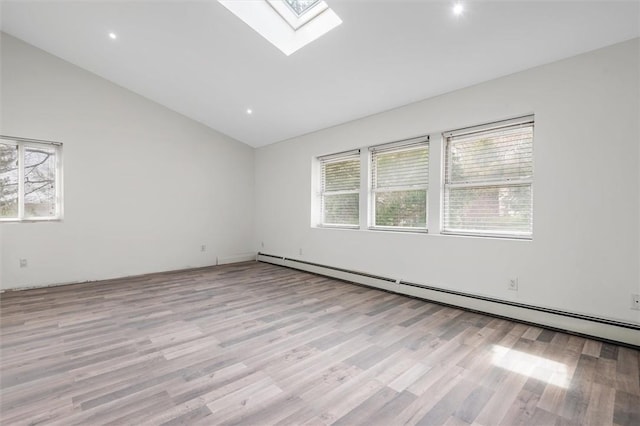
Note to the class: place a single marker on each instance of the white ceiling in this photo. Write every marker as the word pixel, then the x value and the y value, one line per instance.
pixel 197 58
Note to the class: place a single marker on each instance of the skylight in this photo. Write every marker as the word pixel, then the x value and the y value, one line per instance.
pixel 310 9
pixel 301 6
pixel 287 24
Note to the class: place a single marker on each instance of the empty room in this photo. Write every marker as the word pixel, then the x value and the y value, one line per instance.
pixel 319 212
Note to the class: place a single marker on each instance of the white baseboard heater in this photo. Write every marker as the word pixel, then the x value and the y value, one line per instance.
pixel 617 332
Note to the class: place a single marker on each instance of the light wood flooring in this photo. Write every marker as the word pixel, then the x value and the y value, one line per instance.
pixel 258 344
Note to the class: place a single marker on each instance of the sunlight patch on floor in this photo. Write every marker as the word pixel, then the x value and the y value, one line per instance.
pixel 540 368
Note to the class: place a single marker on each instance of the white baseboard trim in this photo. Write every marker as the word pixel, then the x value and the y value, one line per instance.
pixel 600 328
pixel 235 258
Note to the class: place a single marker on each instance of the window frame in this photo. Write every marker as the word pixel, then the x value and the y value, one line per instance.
pixel 397 146
pixel 335 158
pixel 22 144
pixel 278 24
pixel 305 10
pixel 447 138
pixel 292 18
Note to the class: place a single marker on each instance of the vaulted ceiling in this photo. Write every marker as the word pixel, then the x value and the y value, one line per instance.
pixel 200 60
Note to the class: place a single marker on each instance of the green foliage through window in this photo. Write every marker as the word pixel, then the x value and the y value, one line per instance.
pixel 400 180
pixel 340 203
pixel 488 181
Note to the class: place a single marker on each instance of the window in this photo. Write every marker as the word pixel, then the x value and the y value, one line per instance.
pixel 340 189
pixel 287 24
pixel 298 13
pixel 399 183
pixel 488 180
pixel 300 7
pixel 30 180
pixel 485 189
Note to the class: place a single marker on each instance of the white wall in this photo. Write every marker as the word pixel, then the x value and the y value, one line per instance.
pixel 144 186
pixel 584 254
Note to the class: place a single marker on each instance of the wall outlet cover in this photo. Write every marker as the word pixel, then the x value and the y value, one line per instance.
pixel 635 301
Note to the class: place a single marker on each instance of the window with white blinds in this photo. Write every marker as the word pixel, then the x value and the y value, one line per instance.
pixel 488 180
pixel 340 189
pixel 399 184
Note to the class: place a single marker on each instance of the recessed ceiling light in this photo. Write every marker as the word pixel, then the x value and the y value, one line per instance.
pixel 113 36
pixel 458 8
pixel 249 111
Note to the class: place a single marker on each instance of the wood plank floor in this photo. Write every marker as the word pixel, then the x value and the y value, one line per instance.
pixel 257 344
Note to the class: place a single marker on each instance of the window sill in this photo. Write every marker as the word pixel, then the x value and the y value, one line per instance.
pixel 351 227
pixel 492 236
pixel 56 219
pixel 399 229
pixel 410 231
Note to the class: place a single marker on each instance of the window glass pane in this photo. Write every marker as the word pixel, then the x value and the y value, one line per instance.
pixel 492 210
pixel 301 6
pixel 497 155
pixel 39 181
pixel 399 177
pixel 488 180
pixel 341 175
pixel 8 181
pixel 340 189
pixel 341 209
pixel 401 208
pixel 401 168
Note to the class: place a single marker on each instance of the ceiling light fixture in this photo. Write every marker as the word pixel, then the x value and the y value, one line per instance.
pixel 249 111
pixel 458 8
pixel 113 36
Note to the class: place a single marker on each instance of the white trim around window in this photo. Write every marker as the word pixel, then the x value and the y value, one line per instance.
pixel 399 185
pixel 488 180
pixel 339 192
pixel 481 185
pixel 30 180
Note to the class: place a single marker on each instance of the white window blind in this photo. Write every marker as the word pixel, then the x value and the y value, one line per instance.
pixel 399 183
pixel 488 180
pixel 340 189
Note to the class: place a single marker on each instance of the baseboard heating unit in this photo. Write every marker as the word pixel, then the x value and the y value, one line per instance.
pixel 618 332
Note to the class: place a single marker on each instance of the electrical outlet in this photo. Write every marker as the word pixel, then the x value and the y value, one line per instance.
pixel 635 302
pixel 300 252
pixel 203 248
pixel 262 244
pixel 513 284
pixel 23 263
